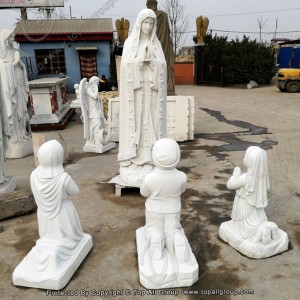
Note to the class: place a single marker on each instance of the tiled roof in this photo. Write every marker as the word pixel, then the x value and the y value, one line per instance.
pixel 64 26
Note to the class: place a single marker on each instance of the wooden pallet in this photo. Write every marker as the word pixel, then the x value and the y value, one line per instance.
pixel 55 126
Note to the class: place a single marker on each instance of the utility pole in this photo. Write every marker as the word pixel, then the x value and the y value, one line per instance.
pixel 276 26
pixel 261 25
pixel 23 13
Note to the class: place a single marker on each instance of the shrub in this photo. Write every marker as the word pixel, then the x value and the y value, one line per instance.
pixel 244 60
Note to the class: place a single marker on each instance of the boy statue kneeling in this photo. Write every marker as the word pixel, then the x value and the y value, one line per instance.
pixel 165 256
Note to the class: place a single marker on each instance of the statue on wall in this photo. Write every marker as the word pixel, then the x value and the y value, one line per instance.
pixel 164 253
pixel 14 92
pixel 202 25
pixel 164 35
pixel 249 230
pixel 62 245
pixel 122 26
pixel 95 125
pixel 143 95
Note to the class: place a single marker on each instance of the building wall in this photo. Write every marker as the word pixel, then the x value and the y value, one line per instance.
pixel 184 73
pixel 71 58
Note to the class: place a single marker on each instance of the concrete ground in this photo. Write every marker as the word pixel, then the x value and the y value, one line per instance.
pixel 227 121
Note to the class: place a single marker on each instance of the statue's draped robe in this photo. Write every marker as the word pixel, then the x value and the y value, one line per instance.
pixel 142 97
pixel 59 226
pixel 14 87
pixel 248 214
pixel 4 134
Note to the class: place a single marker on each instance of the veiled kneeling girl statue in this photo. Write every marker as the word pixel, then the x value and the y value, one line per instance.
pixel 249 230
pixel 62 245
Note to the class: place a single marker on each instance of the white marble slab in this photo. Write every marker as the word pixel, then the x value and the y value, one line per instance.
pixel 180 114
pixel 22 278
pixel 166 272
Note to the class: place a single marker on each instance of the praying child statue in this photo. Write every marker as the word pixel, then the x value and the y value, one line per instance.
pixel 249 230
pixel 165 256
pixel 62 245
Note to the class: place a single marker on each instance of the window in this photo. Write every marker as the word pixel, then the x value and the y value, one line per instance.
pixel 50 61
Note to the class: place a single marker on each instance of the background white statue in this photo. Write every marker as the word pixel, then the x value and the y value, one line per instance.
pixel 165 256
pixel 143 92
pixel 3 140
pixel 249 231
pixel 62 245
pixel 14 84
pixel 95 125
pixel 7 184
pixel 77 102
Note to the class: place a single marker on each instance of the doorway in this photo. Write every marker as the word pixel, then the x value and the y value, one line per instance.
pixel 88 64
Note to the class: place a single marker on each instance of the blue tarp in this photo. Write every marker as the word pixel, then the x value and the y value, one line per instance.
pixel 289 57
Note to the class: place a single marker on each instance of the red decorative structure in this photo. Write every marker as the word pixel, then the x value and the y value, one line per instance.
pixel 48 99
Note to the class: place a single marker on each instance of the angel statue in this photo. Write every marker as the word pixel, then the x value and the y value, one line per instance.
pixel 202 25
pixel 95 125
pixel 122 26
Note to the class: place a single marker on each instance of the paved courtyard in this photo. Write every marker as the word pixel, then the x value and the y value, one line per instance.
pixel 227 121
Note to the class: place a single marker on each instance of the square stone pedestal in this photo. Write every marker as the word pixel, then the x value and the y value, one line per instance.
pixel 19 149
pixel 48 99
pixel 99 149
pixel 8 186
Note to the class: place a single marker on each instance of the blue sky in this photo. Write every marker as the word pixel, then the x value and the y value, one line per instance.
pixel 231 17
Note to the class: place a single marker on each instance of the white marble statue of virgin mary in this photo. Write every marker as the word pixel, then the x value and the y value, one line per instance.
pixel 62 245
pixel 14 93
pixel 143 98
pixel 4 134
pixel 14 84
pixel 7 183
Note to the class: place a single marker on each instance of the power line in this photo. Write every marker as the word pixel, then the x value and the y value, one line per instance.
pixel 254 32
pixel 255 12
pixel 221 15
pixel 248 32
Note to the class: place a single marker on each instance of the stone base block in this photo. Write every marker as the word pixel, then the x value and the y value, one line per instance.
pixel 120 185
pixel 49 119
pixel 75 104
pixel 180 118
pixel 16 203
pixel 166 272
pixel 22 277
pixel 8 186
pixel 99 149
pixel 38 139
pixel 251 249
pixel 19 149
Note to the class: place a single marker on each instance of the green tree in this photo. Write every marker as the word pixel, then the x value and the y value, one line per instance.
pixel 243 60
